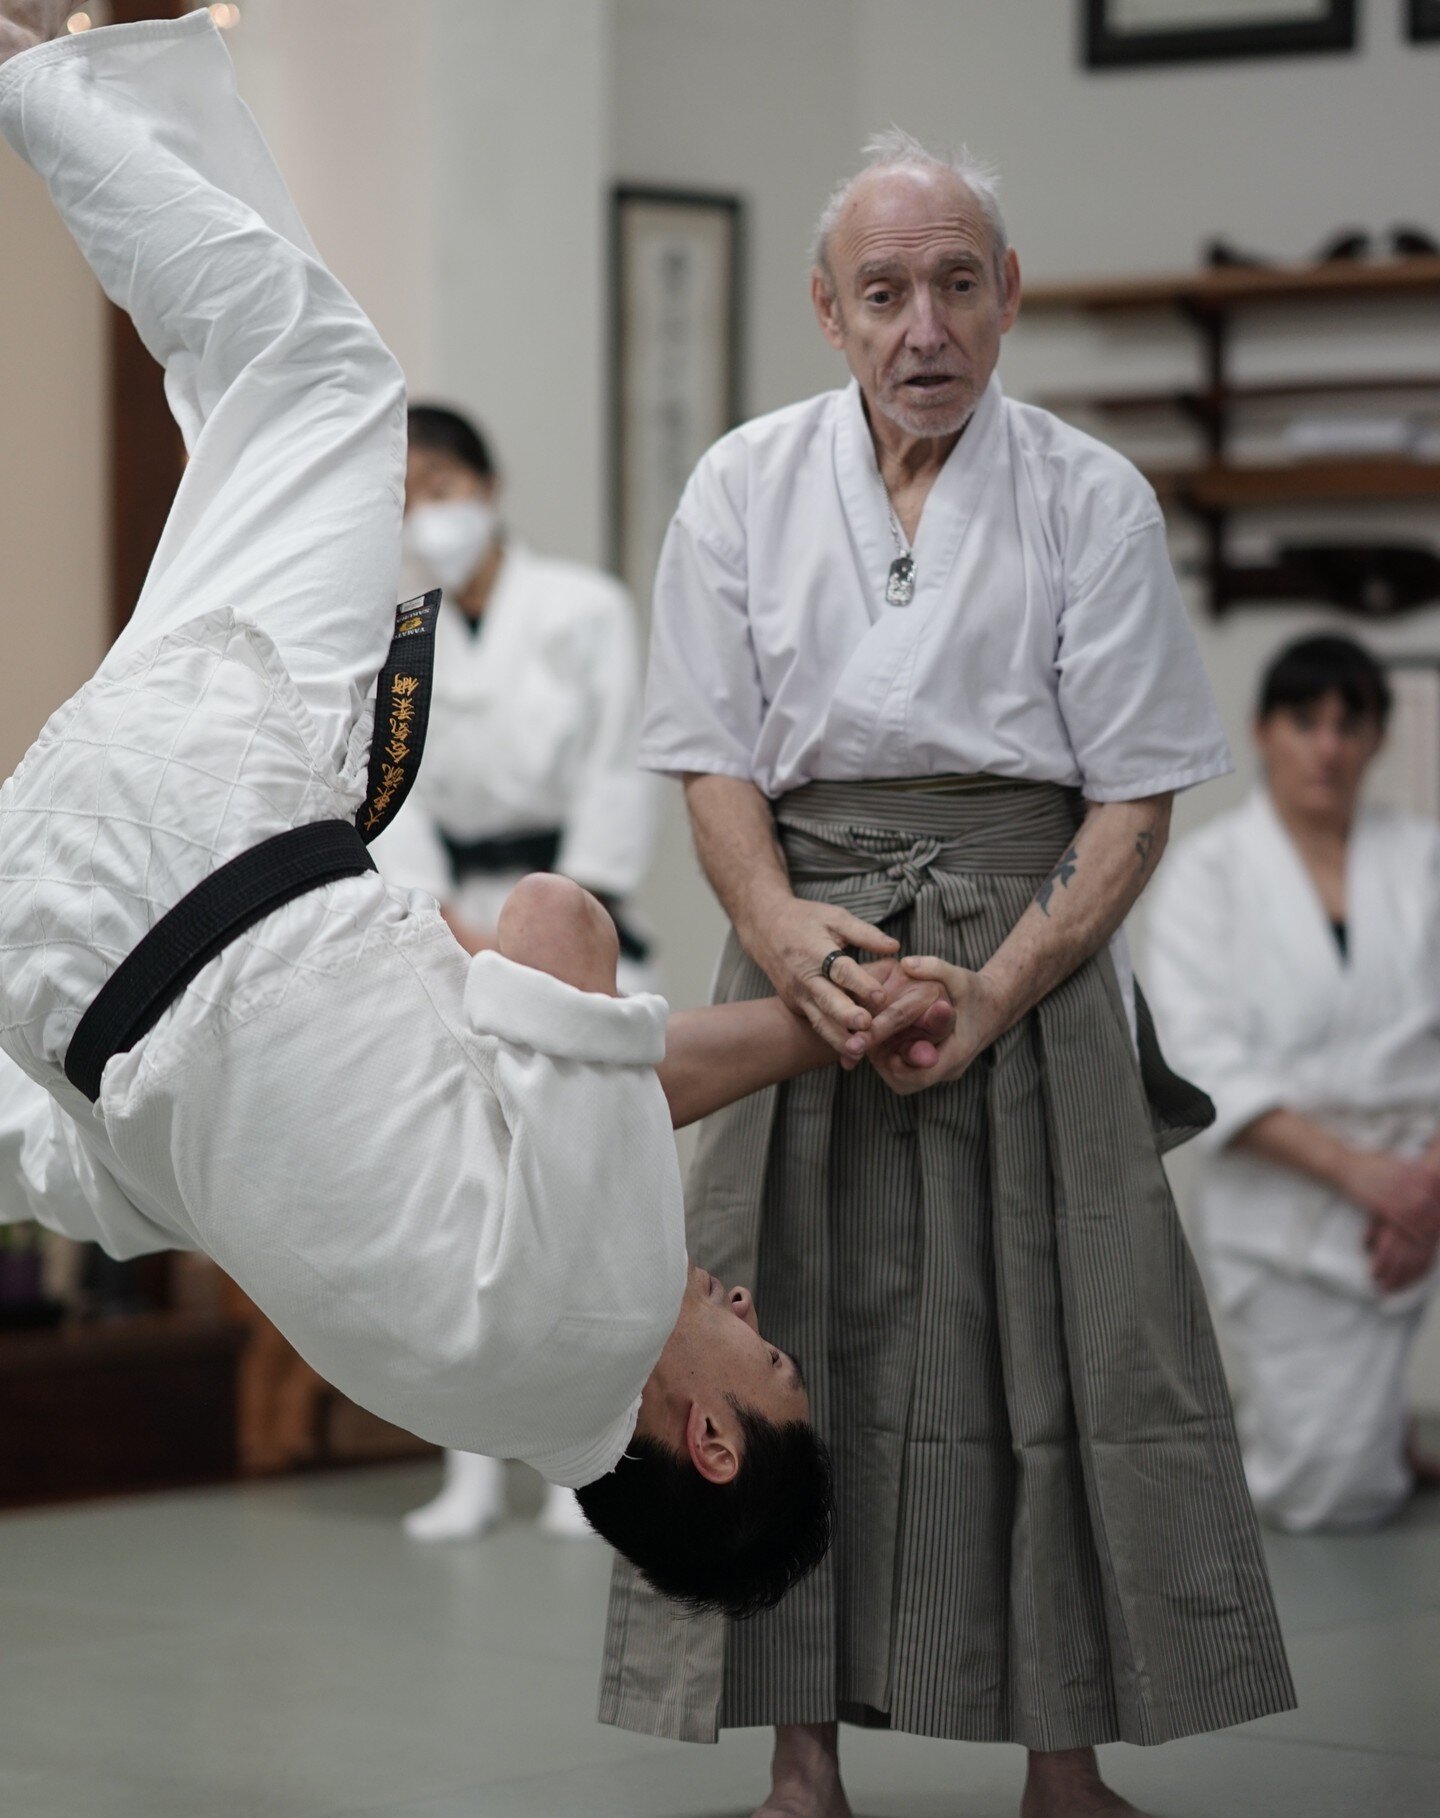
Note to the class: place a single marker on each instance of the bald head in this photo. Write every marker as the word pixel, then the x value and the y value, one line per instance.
pixel 898 154
pixel 914 284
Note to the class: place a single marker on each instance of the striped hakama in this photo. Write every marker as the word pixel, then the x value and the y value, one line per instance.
pixel 1043 1531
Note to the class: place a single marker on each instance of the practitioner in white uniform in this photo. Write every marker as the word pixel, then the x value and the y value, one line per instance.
pixel 450 1181
pixel 534 722
pixel 1295 968
pixel 529 765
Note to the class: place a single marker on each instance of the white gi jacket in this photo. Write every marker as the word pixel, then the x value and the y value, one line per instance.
pixel 534 726
pixel 1254 1002
pixel 452 1184
pixel 1046 639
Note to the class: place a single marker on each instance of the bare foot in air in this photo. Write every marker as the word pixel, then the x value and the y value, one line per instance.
pixel 805 1774
pixel 26 23
pixel 1066 1783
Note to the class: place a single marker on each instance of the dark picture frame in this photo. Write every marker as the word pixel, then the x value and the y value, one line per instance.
pixel 677 279
pixel 1422 21
pixel 1111 45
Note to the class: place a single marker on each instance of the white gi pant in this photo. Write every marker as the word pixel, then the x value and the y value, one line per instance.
pixel 1324 1404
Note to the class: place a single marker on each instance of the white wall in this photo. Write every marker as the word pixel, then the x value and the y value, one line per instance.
pixel 451 159
pixel 522 100
pixel 342 92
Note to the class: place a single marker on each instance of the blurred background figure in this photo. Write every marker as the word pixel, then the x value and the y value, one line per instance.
pixel 1295 974
pixel 529 766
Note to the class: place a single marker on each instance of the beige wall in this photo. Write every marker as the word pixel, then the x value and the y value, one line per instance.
pixel 341 89
pixel 52 462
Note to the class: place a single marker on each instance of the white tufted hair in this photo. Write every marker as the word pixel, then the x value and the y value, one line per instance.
pixel 895 149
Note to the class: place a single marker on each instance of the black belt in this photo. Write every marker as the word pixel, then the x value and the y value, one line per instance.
pixel 265 877
pixel 505 852
pixel 509 852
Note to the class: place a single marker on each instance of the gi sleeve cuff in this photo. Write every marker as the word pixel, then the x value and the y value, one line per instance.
pixel 534 1010
pixel 1238 1103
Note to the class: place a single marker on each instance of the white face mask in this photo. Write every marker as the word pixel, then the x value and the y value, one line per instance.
pixel 451 538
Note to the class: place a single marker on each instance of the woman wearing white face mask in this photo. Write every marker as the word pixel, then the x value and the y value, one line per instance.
pixel 529 766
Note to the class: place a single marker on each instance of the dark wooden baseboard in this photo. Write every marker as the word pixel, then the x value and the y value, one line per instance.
pixel 140 1403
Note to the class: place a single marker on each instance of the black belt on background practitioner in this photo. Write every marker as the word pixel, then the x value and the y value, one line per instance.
pixel 263 878
pixel 506 853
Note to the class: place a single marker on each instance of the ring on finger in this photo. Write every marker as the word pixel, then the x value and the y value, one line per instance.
pixel 827 965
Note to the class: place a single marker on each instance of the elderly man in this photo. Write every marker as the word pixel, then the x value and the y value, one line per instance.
pixel 921 660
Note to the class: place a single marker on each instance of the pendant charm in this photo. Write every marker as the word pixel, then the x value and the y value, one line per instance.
pixel 900 585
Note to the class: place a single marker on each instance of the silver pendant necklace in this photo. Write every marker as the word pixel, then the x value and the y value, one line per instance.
pixel 900 581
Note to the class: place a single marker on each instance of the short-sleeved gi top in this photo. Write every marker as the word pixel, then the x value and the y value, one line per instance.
pixel 1046 639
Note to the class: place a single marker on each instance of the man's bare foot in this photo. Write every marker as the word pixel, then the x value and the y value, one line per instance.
pixel 1066 1783
pixel 26 23
pixel 805 1774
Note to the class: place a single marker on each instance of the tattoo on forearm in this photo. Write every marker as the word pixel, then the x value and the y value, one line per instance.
pixel 1061 875
pixel 1144 846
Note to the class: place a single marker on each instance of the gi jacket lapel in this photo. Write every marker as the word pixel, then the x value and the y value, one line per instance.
pixel 1384 953
pixel 955 497
pixel 1295 954
pixel 948 511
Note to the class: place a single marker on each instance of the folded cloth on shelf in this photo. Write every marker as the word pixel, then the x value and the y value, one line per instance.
pixel 1314 435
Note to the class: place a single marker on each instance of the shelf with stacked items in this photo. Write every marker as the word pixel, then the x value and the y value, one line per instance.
pixel 1220 289
pixel 1408 472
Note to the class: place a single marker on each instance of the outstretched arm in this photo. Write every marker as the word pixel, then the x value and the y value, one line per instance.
pixel 723 1052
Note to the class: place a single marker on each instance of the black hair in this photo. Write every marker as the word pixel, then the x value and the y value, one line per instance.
pixel 1305 672
pixel 435 426
pixel 736 1547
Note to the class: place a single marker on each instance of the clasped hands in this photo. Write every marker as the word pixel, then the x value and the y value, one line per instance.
pixel 917 1021
pixel 1401 1197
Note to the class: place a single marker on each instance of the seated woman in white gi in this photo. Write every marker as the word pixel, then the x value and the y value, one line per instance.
pixel 1295 975
pixel 529 766
pixel 451 1182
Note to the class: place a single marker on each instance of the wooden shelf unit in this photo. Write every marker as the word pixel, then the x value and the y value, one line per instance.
pixel 1203 404
pixel 1221 488
pixel 1227 287
pixel 1208 301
